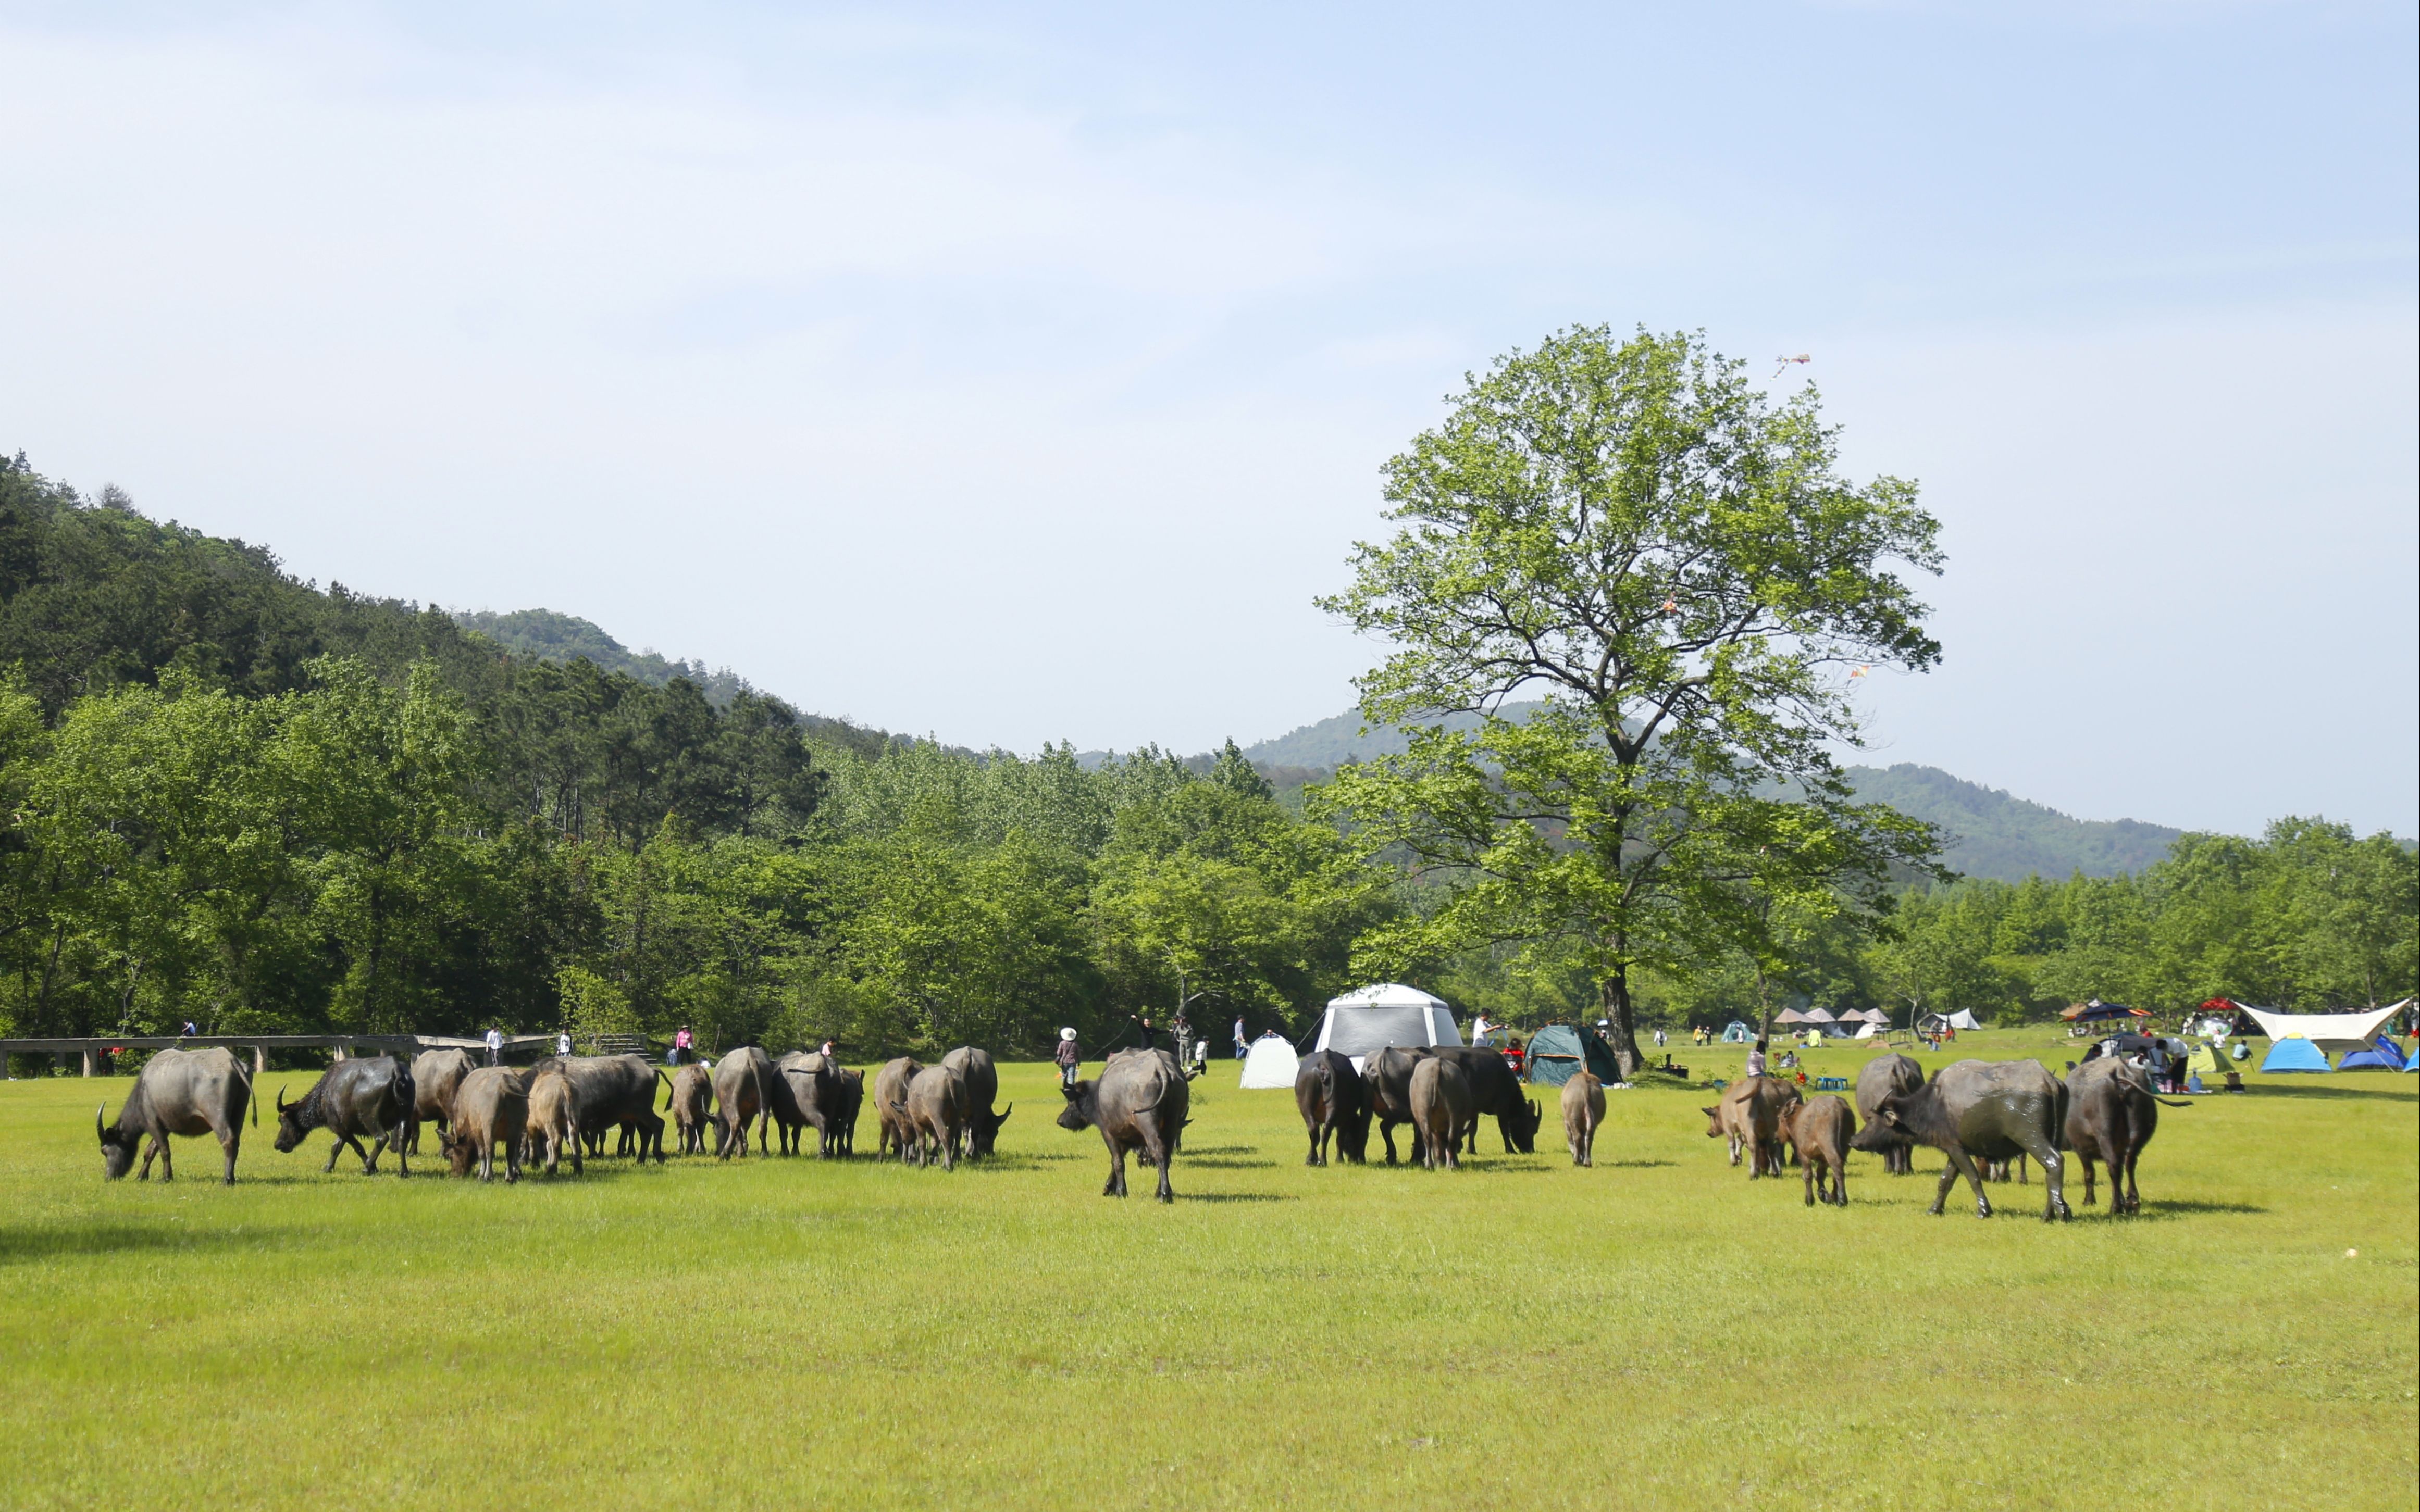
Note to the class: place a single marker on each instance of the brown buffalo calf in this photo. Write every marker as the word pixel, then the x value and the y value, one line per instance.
pixel 491 1107
pixel 1442 1108
pixel 1749 1116
pixel 1820 1131
pixel 553 1123
pixel 692 1101
pixel 1583 1111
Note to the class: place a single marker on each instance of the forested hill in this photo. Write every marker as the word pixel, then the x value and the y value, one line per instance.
pixel 548 635
pixel 1995 835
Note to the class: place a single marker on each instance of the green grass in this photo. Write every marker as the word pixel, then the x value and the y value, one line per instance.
pixel 1659 1330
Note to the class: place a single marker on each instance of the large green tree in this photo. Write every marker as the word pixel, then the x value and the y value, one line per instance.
pixel 1632 534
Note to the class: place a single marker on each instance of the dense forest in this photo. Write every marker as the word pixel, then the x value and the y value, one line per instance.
pixel 238 799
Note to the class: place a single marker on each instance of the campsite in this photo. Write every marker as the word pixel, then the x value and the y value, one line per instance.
pixel 697 1326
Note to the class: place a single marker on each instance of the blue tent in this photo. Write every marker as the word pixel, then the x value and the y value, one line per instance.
pixel 2380 1056
pixel 2293 1053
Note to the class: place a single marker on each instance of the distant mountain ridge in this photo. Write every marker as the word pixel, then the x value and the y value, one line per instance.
pixel 1993 834
pixel 550 636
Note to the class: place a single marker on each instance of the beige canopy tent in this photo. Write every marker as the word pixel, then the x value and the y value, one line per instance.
pixel 2335 1033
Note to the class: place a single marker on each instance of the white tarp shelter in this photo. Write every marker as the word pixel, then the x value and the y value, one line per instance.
pixel 2335 1033
pixel 1369 1019
pixel 1270 1062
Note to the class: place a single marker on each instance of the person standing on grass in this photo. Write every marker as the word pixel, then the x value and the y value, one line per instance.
pixel 1243 1046
pixel 563 1042
pixel 1182 1027
pixel 1069 1058
pixel 1659 1039
pixel 682 1041
pixel 495 1045
pixel 1756 1060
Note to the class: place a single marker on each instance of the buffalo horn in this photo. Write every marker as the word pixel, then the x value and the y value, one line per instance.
pixel 281 1100
pixel 99 1130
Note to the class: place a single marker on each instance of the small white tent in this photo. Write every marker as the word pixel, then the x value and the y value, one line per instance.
pixel 1369 1019
pixel 1271 1062
pixel 2333 1032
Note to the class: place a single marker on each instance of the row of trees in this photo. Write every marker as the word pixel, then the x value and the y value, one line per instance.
pixel 237 801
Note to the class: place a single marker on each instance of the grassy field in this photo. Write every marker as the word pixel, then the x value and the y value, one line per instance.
pixel 1659 1330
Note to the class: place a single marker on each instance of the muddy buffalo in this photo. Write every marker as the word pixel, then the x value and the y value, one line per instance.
pixel 1749 1115
pixel 804 1082
pixel 852 1102
pixel 369 1098
pixel 553 1123
pixel 890 1095
pixel 1386 1082
pixel 690 1099
pixel 1442 1110
pixel 1583 1113
pixel 937 1108
pixel 435 1073
pixel 1881 1076
pixel 1139 1103
pixel 980 1078
pixel 491 1107
pixel 2111 1115
pixel 180 1093
pixel 1820 1130
pixel 743 1096
pixel 1977 1109
pixel 613 1093
pixel 1334 1103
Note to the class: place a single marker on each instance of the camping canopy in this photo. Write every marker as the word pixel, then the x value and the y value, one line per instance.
pixel 1371 1018
pixel 1559 1050
pixel 2097 1012
pixel 1792 1015
pixel 2293 1053
pixel 2329 1032
pixel 1865 1015
pixel 1271 1063
pixel 2380 1056
pixel 1817 1015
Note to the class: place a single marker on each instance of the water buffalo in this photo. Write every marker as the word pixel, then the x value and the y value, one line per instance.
pixel 1334 1103
pixel 180 1093
pixel 2111 1115
pixel 554 1120
pixel 1996 1110
pixel 1583 1112
pixel 1818 1130
pixel 852 1101
pixel 613 1093
pixel 372 1096
pixel 981 1078
pixel 802 1084
pixel 690 1099
pixel 1749 1115
pixel 1442 1109
pixel 491 1107
pixel 743 1095
pixel 1881 1076
pixel 1139 1102
pixel 889 1092
pixel 435 1073
pixel 1386 1082
pixel 937 1109
pixel 1495 1091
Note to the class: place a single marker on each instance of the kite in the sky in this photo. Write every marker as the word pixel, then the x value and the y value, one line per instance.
pixel 1785 361
pixel 1862 670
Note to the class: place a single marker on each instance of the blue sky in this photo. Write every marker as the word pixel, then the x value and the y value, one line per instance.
pixel 1022 373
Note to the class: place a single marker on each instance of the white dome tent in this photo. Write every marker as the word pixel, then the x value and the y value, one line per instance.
pixel 1270 1062
pixel 1369 1019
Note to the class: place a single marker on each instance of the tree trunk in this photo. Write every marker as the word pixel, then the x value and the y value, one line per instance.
pixel 1623 1034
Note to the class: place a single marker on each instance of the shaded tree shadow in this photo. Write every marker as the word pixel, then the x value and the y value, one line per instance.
pixel 2315 1092
pixel 2152 1208
pixel 1637 1164
pixel 30 1245
pixel 1227 1164
pixel 1237 1197
pixel 1222 1150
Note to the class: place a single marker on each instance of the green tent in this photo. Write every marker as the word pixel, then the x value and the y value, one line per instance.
pixel 1558 1050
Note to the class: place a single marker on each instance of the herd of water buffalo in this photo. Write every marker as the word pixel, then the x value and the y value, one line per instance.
pixel 1996 1113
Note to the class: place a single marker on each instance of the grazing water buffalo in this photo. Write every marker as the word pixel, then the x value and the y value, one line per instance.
pixel 743 1095
pixel 889 1092
pixel 553 1121
pixel 852 1101
pixel 435 1073
pixel 1996 1110
pixel 372 1097
pixel 614 1092
pixel 491 1107
pixel 690 1098
pixel 1583 1111
pixel 1442 1109
pixel 2111 1115
pixel 1139 1102
pixel 1387 1081
pixel 1494 1090
pixel 937 1109
pixel 981 1078
pixel 1334 1103
pixel 798 1095
pixel 1820 1130
pixel 1881 1076
pixel 1749 1115
pixel 180 1093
